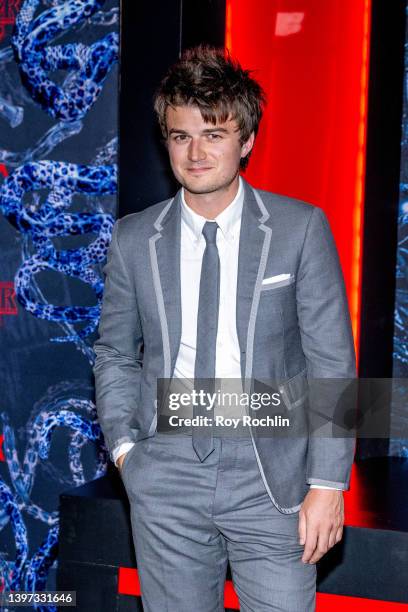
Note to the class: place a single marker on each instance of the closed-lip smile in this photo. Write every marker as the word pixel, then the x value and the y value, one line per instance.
pixel 198 168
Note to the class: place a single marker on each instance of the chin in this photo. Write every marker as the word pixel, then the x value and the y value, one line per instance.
pixel 208 187
pixel 198 187
pixel 200 190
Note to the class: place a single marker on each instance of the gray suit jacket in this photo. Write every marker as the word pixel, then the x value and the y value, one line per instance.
pixel 293 331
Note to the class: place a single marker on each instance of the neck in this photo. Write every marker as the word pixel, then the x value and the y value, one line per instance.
pixel 210 205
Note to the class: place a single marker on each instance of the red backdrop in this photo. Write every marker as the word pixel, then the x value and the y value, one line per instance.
pixel 311 56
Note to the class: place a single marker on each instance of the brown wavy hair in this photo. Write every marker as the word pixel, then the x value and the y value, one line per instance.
pixel 213 81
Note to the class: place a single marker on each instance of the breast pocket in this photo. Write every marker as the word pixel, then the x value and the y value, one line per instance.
pixel 281 295
pixel 274 283
pixel 277 329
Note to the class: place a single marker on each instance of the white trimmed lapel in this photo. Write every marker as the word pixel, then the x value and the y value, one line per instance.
pixel 164 247
pixel 254 244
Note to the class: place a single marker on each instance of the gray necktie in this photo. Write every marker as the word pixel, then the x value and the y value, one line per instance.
pixel 207 324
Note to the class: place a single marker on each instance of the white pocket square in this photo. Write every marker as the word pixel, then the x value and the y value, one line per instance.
pixel 276 279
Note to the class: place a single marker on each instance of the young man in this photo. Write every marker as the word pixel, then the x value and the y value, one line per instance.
pixel 226 282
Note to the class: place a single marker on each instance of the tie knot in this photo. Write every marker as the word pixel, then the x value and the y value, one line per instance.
pixel 210 231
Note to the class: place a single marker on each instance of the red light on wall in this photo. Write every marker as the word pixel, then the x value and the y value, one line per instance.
pixel 128 584
pixel 311 57
pixel 339 603
pixel 2 457
pixel 128 581
pixel 8 13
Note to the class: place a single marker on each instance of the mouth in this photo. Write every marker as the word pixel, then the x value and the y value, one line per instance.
pixel 198 169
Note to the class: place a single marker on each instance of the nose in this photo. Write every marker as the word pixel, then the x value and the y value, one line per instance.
pixel 196 151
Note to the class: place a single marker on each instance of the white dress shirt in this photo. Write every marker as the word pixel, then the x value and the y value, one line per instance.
pixel 228 354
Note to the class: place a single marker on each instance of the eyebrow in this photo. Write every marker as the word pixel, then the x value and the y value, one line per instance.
pixel 206 131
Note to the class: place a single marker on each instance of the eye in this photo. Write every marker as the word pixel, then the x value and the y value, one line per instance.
pixel 180 137
pixel 212 136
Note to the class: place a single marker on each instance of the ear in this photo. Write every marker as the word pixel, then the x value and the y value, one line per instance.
pixel 247 146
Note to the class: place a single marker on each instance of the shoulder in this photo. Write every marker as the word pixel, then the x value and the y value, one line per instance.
pixel 141 222
pixel 294 219
pixel 278 204
pixel 293 212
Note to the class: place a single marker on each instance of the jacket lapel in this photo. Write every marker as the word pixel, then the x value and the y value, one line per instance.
pixel 254 243
pixel 165 260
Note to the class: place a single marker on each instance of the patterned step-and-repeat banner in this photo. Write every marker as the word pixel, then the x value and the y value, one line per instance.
pixel 58 182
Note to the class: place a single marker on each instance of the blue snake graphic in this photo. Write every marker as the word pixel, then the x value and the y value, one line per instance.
pixel 50 220
pixel 88 65
pixel 52 412
pixel 45 223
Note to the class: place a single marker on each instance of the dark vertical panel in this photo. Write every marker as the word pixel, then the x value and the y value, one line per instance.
pixel 150 43
pixel 382 193
pixel 203 22
pixel 153 34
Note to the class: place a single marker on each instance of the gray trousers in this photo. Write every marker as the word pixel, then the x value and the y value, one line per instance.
pixel 190 518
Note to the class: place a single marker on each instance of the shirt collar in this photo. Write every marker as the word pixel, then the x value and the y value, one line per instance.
pixel 227 219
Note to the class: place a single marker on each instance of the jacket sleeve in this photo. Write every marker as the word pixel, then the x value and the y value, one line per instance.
pixel 119 350
pixel 328 346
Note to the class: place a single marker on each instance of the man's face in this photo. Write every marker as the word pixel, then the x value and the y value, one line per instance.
pixel 205 158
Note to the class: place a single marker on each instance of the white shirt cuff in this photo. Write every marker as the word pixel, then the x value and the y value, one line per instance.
pixel 313 486
pixel 120 450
